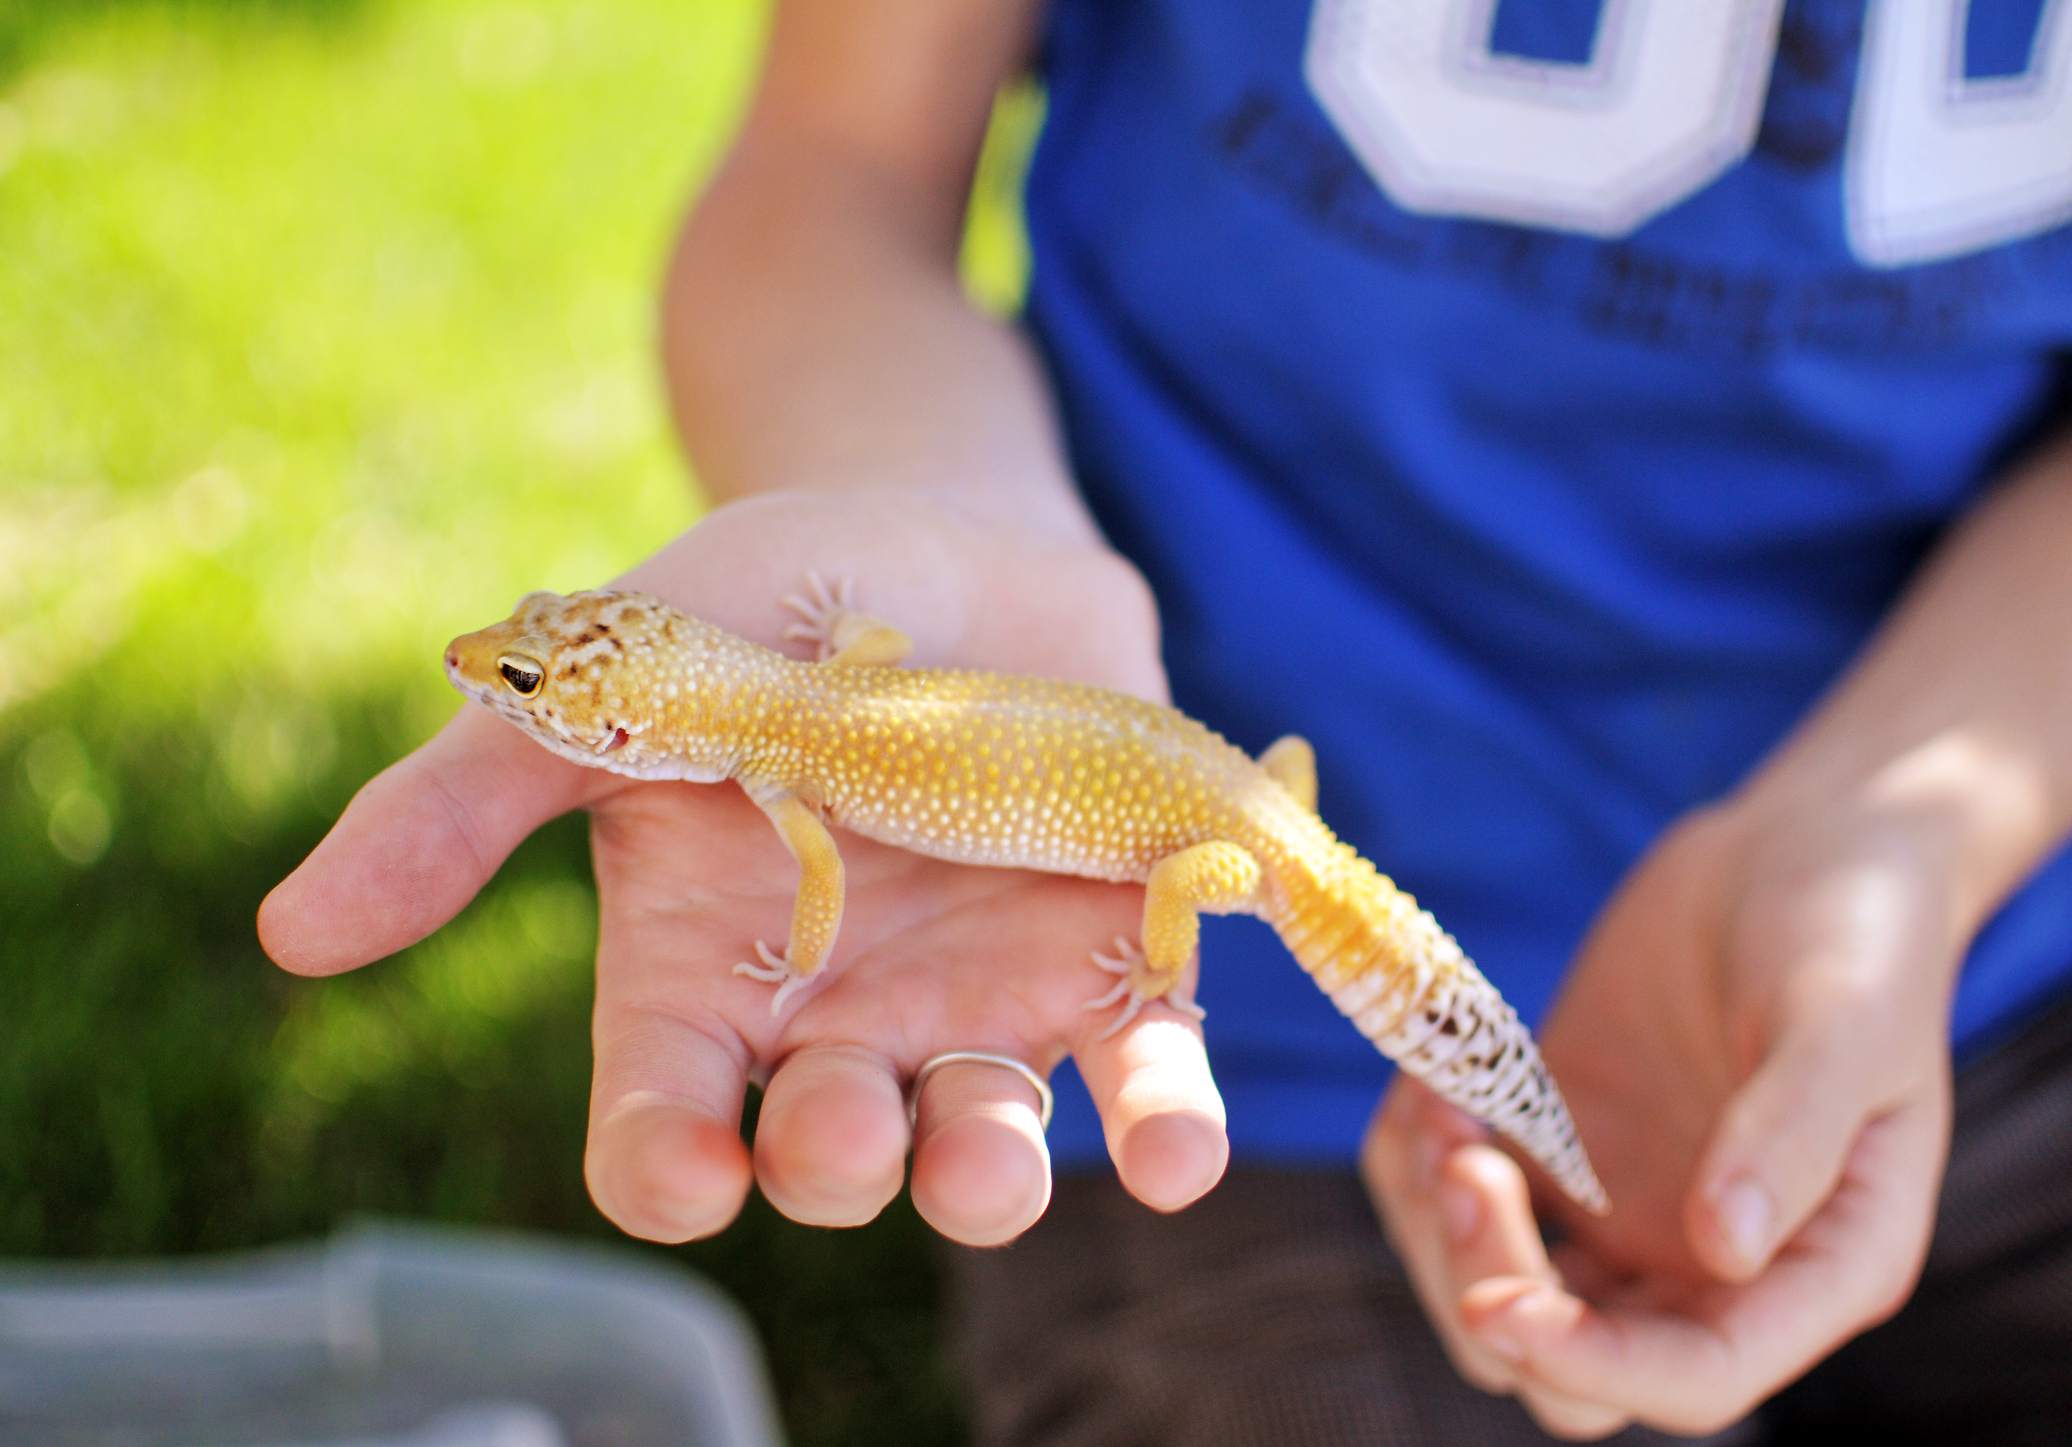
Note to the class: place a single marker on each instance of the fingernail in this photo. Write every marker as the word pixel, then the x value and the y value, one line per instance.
pixel 1503 1344
pixel 1500 1333
pixel 1501 1341
pixel 1461 1211
pixel 1744 1212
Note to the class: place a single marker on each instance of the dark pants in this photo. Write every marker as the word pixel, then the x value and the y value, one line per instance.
pixel 1273 1312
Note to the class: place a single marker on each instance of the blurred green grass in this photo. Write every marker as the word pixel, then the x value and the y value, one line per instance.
pixel 324 333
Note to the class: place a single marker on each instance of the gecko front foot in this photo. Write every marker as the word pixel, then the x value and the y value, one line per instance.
pixel 776 970
pixel 841 636
pixel 820 607
pixel 1137 985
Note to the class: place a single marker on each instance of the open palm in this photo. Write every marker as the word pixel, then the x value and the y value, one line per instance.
pixel 933 957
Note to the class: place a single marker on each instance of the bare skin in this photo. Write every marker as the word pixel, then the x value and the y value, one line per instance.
pixel 934 957
pixel 816 282
pixel 816 279
pixel 1755 1035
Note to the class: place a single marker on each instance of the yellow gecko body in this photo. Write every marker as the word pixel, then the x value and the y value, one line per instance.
pixel 999 769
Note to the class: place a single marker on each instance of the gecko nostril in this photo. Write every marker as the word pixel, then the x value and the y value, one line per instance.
pixel 452 659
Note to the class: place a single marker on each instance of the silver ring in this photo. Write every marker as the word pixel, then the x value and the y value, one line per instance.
pixel 934 1063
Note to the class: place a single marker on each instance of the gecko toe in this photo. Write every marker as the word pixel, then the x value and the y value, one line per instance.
pixel 785 991
pixel 777 970
pixel 1125 959
pixel 1129 1013
pixel 819 608
pixel 1126 962
pixel 1122 987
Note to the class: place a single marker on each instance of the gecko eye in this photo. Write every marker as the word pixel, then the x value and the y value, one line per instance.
pixel 521 673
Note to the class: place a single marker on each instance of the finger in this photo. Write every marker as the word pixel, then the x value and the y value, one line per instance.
pixel 1487 1209
pixel 1664 1369
pixel 1434 1128
pixel 665 1157
pixel 1776 1154
pixel 1869 1244
pixel 415 845
pixel 665 1160
pixel 1705 1364
pixel 1491 1233
pixel 831 1142
pixel 1160 1110
pixel 1402 1163
pixel 981 1168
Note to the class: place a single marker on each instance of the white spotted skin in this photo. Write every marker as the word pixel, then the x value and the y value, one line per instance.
pixel 1003 770
pixel 995 769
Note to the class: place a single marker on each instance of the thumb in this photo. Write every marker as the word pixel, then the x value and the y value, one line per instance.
pixel 1777 1152
pixel 415 845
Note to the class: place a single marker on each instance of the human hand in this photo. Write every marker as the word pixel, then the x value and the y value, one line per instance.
pixel 1753 1042
pixel 932 957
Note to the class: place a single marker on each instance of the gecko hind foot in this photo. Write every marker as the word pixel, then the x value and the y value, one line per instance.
pixel 776 970
pixel 1125 963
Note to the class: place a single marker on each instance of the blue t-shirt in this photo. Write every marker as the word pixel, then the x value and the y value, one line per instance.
pixel 1537 404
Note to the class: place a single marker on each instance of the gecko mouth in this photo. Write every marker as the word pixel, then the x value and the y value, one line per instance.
pixel 617 739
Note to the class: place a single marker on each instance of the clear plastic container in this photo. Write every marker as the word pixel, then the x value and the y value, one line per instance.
pixel 387 1335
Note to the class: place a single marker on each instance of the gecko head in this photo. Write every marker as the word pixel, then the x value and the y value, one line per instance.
pixel 590 676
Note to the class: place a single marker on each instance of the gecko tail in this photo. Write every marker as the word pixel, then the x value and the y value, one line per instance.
pixel 1442 1022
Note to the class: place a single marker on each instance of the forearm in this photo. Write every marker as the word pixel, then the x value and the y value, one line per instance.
pixel 816 335
pixel 1953 731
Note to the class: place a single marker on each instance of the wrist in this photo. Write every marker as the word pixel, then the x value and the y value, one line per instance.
pixel 1950 809
pixel 1826 920
pixel 1037 500
pixel 1874 853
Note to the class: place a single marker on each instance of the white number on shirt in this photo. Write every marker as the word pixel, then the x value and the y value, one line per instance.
pixel 1936 164
pixel 1940 165
pixel 1669 100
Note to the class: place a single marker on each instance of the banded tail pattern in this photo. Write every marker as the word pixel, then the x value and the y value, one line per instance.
pixel 1400 978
